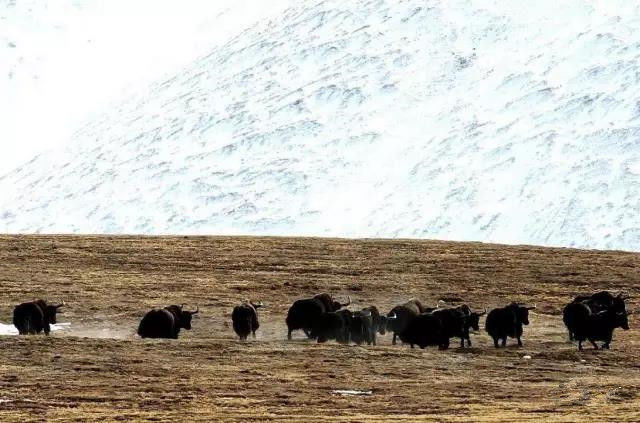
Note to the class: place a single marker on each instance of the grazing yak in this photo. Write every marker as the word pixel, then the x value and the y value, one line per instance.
pixel 165 322
pixel 245 319
pixel 599 301
pixel 305 313
pixel 403 314
pixel 457 322
pixel 507 322
pixel 35 316
pixel 368 322
pixel 586 320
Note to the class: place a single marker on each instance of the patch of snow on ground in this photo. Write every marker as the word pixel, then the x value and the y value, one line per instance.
pixel 9 329
pixel 351 392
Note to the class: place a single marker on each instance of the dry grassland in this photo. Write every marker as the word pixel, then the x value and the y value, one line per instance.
pixel 96 370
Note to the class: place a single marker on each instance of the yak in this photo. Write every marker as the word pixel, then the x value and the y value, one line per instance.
pixel 403 314
pixel 424 330
pixel 457 322
pixel 507 322
pixel 35 316
pixel 333 325
pixel 367 323
pixel 305 313
pixel 586 324
pixel 596 302
pixel 165 322
pixel 245 319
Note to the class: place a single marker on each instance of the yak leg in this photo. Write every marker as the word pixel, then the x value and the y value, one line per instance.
pixel 519 342
pixel 468 341
pixel 495 341
pixel 289 335
pixel 26 329
pixel 504 342
pixel 307 332
pixel 393 341
pixel 47 329
pixel 595 346
pixel 570 336
pixel 461 342
pixel 579 345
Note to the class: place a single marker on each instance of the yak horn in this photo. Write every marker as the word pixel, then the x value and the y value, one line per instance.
pixel 483 313
pixel 531 307
pixel 392 317
pixel 60 304
pixel 347 303
pixel 195 312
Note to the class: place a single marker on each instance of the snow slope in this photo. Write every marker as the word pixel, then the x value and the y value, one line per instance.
pixel 62 61
pixel 514 122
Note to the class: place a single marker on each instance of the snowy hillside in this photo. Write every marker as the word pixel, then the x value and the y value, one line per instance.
pixel 63 61
pixel 515 122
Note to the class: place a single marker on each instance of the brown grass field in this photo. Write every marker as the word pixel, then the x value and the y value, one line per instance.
pixel 97 370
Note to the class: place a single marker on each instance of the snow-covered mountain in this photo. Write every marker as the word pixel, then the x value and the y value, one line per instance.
pixel 514 122
pixel 63 61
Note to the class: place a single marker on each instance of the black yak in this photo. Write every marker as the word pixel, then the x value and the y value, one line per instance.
pixel 403 314
pixel 586 324
pixel 165 322
pixel 35 316
pixel 457 322
pixel 367 323
pixel 507 322
pixel 424 330
pixel 333 325
pixel 596 302
pixel 305 313
pixel 245 319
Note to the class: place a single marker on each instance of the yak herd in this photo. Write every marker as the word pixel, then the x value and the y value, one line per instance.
pixel 322 318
